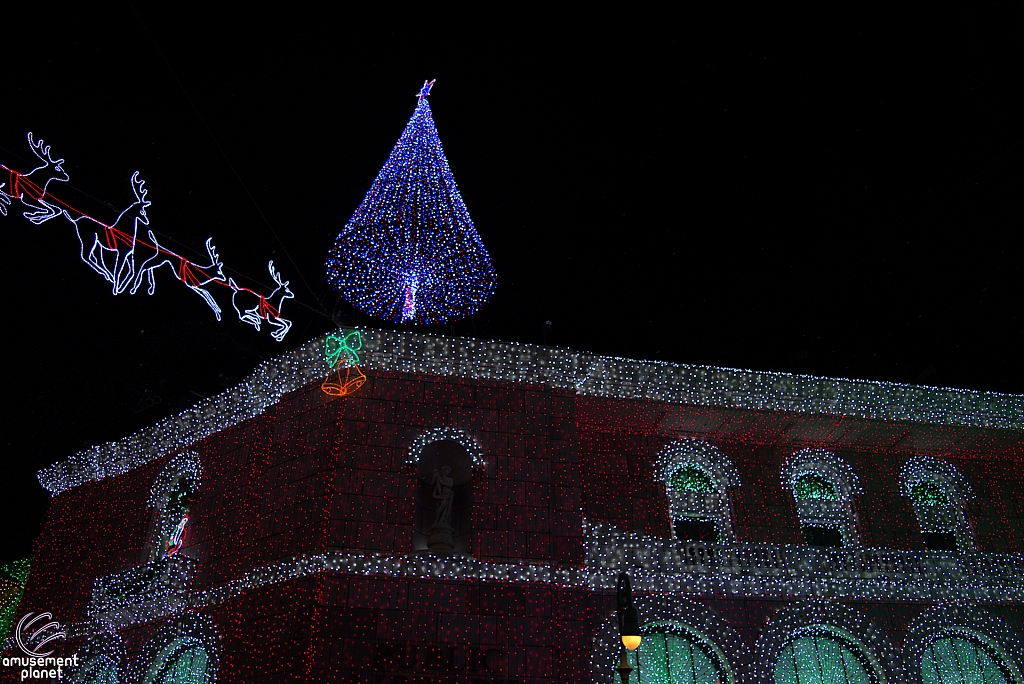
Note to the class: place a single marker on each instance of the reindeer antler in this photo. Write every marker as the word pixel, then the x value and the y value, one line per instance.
pixel 212 250
pixel 138 187
pixel 37 148
pixel 276 275
pixel 42 150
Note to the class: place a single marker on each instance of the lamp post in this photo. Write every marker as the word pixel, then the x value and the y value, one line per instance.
pixel 629 624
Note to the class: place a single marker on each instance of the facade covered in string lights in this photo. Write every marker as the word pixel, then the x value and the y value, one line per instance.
pixel 462 513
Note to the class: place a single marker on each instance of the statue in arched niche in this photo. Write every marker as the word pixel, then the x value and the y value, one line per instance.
pixel 444 493
pixel 442 516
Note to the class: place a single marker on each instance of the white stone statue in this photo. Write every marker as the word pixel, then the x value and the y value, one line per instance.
pixel 444 492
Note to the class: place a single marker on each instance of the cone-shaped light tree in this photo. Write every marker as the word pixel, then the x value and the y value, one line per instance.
pixel 410 252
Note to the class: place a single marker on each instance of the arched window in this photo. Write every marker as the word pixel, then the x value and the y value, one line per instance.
pixel 697 477
pixel 683 642
pixel 939 494
pixel 958 659
pixel 822 658
pixel 183 662
pixel 814 486
pixel 823 486
pixel 99 670
pixel 171 498
pixel 670 653
pixel 445 460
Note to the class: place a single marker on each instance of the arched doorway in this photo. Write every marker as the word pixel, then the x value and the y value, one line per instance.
pixel 183 662
pixel 683 642
pixel 960 659
pixel 821 657
pixel 672 654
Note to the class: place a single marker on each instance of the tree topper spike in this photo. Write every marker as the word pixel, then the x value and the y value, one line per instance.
pixel 425 90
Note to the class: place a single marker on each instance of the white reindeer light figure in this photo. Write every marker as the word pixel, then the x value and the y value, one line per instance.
pixel 32 187
pixel 111 251
pixel 5 200
pixel 123 258
pixel 262 308
pixel 194 276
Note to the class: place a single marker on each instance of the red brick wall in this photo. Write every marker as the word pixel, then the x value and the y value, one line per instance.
pixel 997 512
pixel 314 473
pixel 425 628
pixel 89 531
pixel 525 501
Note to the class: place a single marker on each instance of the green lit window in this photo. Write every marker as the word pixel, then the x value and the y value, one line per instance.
pixel 691 478
pixel 814 486
pixel 102 670
pixel 186 664
pixel 926 493
pixel 819 659
pixel 954 660
pixel 668 657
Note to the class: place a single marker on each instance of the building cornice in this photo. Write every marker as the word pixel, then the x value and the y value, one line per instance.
pixel 583 373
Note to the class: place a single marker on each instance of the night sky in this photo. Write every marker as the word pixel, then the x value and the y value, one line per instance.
pixel 837 195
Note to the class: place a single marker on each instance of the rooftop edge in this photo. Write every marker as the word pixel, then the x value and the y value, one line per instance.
pixel 587 374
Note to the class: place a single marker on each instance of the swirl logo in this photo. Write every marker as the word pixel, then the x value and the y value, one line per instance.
pixel 40 636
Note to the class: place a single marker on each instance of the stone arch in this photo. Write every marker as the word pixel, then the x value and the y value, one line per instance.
pixel 939 494
pixel 972 622
pixel 835 621
pixel 828 518
pixel 700 623
pixel 438 434
pixel 445 460
pixel 703 502
pixel 189 632
pixel 182 474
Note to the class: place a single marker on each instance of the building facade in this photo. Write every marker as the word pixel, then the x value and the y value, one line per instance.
pixel 462 515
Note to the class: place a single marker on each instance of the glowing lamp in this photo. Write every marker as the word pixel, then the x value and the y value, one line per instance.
pixel 630 629
pixel 629 616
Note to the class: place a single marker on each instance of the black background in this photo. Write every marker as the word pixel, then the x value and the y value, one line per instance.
pixel 836 194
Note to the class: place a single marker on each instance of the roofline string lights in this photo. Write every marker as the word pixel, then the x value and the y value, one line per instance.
pixel 610 377
pixel 125 258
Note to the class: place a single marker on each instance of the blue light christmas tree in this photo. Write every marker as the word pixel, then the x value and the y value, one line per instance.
pixel 410 252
